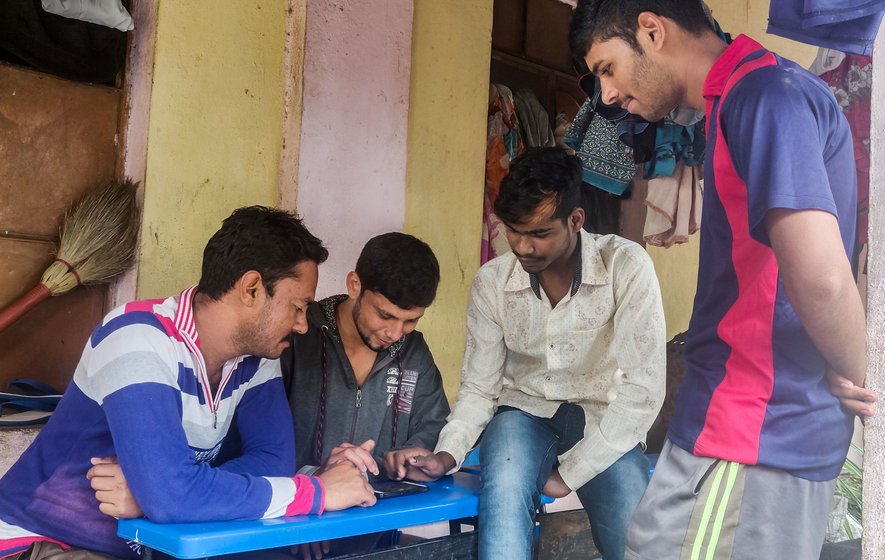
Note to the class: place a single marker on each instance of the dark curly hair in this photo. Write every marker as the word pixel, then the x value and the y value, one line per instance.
pixel 536 175
pixel 600 20
pixel 269 241
pixel 400 267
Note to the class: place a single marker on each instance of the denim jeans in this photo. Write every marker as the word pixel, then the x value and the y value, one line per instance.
pixel 517 455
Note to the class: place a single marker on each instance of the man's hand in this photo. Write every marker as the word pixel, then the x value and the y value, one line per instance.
pixel 555 487
pixel 111 490
pixel 398 464
pixel 346 486
pixel 857 400
pixel 425 466
pixel 360 456
pixel 311 551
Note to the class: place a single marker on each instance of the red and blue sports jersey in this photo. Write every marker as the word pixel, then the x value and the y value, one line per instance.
pixel 756 390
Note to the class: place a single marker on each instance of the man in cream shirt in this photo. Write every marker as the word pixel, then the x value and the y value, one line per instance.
pixel 564 370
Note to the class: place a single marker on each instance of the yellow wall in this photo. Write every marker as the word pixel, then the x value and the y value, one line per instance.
pixel 215 129
pixel 677 267
pixel 677 270
pixel 451 44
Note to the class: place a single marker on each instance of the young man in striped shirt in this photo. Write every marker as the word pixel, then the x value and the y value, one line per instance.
pixel 157 387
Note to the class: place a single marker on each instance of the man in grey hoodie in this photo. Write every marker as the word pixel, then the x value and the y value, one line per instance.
pixel 362 373
pixel 362 383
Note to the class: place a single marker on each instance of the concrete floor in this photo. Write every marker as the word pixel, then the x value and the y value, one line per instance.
pixel 13 441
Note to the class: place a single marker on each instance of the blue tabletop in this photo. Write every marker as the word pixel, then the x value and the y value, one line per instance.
pixel 451 497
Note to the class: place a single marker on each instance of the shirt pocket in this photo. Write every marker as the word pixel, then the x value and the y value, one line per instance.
pixel 592 309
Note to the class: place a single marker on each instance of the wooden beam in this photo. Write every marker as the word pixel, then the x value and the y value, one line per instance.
pixel 133 124
pixel 293 103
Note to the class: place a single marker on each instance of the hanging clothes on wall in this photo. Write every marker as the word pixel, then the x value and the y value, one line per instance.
pixel 675 184
pixel 608 168
pixel 675 194
pixel 503 143
pixel 675 143
pixel 607 162
pixel 851 83
pixel 674 206
pixel 846 25
pixel 534 121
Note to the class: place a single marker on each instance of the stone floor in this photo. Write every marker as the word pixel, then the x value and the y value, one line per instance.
pixel 13 441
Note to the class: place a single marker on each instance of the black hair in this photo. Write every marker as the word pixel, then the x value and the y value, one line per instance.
pixel 536 175
pixel 269 241
pixel 400 267
pixel 600 20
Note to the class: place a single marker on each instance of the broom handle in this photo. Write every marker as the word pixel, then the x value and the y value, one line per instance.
pixel 22 305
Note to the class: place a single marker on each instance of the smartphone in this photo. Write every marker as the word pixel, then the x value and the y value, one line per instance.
pixel 393 488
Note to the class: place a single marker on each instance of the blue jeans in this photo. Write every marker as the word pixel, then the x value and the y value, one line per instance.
pixel 517 455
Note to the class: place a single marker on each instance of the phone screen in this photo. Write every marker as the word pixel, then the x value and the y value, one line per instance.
pixel 393 488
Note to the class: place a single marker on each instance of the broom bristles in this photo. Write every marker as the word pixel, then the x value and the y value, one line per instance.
pixel 97 238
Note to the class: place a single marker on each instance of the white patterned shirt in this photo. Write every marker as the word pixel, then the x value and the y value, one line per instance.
pixel 602 347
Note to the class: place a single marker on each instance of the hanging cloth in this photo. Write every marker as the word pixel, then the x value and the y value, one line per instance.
pixel 109 13
pixel 675 143
pixel 851 83
pixel 607 162
pixel 533 119
pixel 845 25
pixel 503 143
pixel 674 206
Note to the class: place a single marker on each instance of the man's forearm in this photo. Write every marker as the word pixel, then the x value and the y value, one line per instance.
pixel 820 286
pixel 833 316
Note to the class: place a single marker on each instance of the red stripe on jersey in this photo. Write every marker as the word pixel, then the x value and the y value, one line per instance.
pixel 737 407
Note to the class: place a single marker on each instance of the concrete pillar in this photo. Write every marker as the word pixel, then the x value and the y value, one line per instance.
pixel 874 433
pixel 352 164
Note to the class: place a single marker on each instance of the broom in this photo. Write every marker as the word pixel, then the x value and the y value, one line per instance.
pixel 96 242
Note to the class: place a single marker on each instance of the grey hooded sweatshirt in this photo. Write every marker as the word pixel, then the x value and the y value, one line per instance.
pixel 355 414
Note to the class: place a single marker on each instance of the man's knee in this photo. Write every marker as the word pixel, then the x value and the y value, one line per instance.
pixel 517 452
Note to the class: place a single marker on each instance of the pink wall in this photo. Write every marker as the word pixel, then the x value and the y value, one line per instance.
pixel 352 169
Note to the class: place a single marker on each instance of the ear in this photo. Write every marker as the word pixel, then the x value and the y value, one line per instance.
pixel 576 220
pixel 651 31
pixel 250 288
pixel 354 286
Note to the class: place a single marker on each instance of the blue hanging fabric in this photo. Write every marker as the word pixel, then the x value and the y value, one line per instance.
pixel 675 143
pixel 845 25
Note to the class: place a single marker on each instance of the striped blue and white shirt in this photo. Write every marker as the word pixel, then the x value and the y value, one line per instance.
pixel 141 393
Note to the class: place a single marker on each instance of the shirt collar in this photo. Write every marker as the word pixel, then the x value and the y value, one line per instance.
pixel 736 52
pixel 589 269
pixel 184 315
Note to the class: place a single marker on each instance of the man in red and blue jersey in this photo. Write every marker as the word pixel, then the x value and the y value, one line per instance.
pixel 776 349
